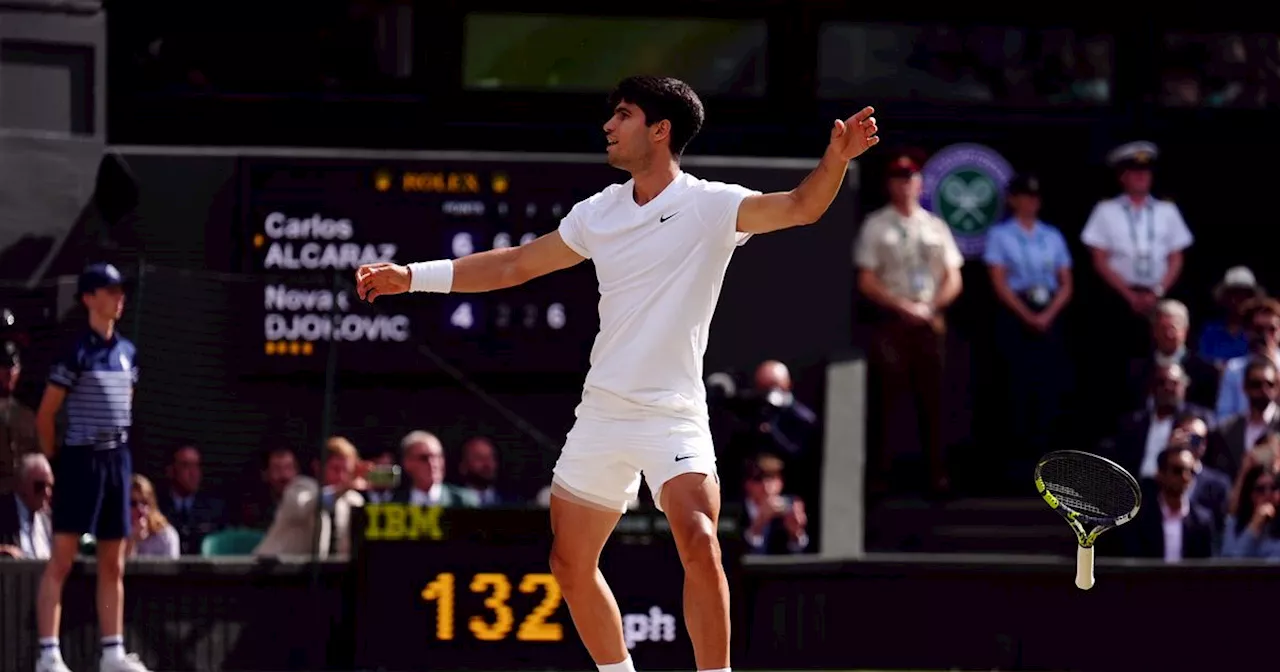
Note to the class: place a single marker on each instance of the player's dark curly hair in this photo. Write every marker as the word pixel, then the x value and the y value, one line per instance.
pixel 663 98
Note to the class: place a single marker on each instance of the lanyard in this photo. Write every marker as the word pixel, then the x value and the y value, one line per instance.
pixel 1040 274
pixel 920 257
pixel 1133 227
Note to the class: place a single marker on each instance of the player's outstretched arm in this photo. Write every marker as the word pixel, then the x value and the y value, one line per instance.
pixel 807 202
pixel 480 272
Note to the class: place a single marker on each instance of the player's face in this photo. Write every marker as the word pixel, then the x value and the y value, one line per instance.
pixel 1025 205
pixel 281 469
pixel 482 461
pixel 425 464
pixel 338 471
pixel 1264 490
pixel 138 504
pixel 630 142
pixel 905 189
pixel 37 487
pixel 1170 334
pixel 1266 329
pixel 1136 181
pixel 1178 473
pixel 106 303
pixel 186 469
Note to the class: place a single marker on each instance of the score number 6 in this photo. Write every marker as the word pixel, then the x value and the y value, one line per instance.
pixel 534 628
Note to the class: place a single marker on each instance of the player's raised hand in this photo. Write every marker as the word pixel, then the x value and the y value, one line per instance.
pixel 855 135
pixel 382 279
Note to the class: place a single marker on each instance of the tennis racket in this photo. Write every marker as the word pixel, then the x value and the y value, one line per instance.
pixel 1093 494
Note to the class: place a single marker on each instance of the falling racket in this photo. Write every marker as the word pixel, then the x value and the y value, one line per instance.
pixel 1093 494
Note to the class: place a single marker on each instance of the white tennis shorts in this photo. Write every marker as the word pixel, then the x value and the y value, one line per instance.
pixel 603 460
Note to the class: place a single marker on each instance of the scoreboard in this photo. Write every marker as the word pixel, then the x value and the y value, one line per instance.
pixel 307 224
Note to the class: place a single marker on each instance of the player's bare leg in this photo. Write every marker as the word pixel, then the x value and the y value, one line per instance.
pixel 692 504
pixel 580 532
pixel 49 599
pixel 111 587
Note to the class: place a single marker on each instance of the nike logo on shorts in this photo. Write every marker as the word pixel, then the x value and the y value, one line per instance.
pixel 685 457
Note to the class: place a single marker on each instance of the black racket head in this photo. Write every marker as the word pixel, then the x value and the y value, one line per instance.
pixel 1088 488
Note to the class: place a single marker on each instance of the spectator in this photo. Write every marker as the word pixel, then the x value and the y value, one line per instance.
pixel 776 523
pixel 26 529
pixel 1265 452
pixel 785 426
pixel 1251 528
pixel 768 419
pixel 478 470
pixel 152 535
pixel 1030 269
pixel 194 513
pixel 1177 527
pixel 279 467
pixel 909 267
pixel 1237 433
pixel 17 422
pixel 1145 433
pixel 293 529
pixel 423 458
pixel 1212 488
pixel 1170 322
pixel 1263 319
pixel 1226 338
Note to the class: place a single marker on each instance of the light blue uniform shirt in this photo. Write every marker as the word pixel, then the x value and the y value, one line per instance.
pixel 1030 258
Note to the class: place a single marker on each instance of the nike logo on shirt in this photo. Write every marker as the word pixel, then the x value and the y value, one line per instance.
pixel 663 219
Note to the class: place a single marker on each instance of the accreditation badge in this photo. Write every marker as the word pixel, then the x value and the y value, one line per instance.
pixel 921 280
pixel 1142 266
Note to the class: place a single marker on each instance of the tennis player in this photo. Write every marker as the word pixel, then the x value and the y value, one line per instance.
pixel 661 244
pixel 94 379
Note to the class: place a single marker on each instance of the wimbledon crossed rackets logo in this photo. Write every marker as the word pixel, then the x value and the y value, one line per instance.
pixel 968 201
pixel 964 185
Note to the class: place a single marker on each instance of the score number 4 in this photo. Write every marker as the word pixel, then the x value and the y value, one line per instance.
pixel 534 628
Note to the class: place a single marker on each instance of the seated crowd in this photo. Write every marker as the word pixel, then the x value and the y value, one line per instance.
pixel 1205 439
pixel 178 515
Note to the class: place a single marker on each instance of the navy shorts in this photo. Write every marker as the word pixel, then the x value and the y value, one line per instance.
pixel 93 492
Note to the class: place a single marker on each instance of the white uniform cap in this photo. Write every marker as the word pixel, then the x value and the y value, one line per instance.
pixel 1139 153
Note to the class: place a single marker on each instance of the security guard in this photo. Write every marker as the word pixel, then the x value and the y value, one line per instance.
pixel 94 380
pixel 1030 269
pixel 1137 244
pixel 1136 240
pixel 909 268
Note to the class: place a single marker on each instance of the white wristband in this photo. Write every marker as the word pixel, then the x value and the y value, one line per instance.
pixel 431 276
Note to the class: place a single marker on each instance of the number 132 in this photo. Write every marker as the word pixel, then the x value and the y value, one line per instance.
pixel 534 628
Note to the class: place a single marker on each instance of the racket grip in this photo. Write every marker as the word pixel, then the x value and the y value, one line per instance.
pixel 1084 567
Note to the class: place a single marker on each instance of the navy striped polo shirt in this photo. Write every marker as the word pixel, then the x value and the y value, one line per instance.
pixel 99 376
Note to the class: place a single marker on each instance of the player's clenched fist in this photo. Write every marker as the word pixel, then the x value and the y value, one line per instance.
pixel 383 279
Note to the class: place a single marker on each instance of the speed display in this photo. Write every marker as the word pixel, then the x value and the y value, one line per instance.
pixel 471 589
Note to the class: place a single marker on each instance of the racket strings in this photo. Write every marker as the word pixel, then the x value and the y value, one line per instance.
pixel 1090 486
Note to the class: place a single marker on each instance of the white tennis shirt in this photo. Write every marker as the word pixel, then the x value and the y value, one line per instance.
pixel 660 267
